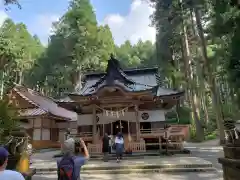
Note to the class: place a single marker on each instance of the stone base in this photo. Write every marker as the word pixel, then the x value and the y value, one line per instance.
pixel 231 152
pixel 231 168
pixel 143 165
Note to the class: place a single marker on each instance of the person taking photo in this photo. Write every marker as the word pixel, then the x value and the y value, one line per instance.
pixel 70 164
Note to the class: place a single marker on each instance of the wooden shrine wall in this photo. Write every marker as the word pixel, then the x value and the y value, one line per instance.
pixel 45 133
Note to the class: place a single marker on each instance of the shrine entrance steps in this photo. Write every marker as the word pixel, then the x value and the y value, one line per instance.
pixel 147 164
pixel 140 155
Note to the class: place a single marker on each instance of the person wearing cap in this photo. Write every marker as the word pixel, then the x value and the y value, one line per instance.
pixel 68 149
pixel 7 174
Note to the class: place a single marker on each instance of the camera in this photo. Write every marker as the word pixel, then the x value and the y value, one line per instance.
pixel 77 146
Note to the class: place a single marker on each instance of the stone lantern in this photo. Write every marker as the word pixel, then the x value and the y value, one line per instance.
pixel 18 158
pixel 231 160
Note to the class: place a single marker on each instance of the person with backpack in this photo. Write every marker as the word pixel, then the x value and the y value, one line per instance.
pixel 69 165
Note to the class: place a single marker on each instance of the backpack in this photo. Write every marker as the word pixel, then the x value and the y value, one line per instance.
pixel 66 169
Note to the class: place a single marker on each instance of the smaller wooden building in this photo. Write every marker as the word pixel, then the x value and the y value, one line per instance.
pixel 41 117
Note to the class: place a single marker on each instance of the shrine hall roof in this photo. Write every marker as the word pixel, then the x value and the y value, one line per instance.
pixel 131 80
pixel 43 104
pixel 128 72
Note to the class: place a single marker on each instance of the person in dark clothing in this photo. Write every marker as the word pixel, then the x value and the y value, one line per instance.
pixel 105 147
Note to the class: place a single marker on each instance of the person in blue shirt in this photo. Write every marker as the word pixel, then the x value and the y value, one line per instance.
pixel 7 174
pixel 68 149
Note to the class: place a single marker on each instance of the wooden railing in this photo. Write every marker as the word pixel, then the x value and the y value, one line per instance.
pixel 175 133
pixel 95 148
pixel 184 130
pixel 85 134
pixel 82 135
pixel 137 146
pixel 152 132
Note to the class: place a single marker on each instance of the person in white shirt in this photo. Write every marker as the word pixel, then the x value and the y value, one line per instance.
pixel 7 174
pixel 119 143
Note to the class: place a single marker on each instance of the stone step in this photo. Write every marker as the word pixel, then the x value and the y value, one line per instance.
pixel 127 168
pixel 145 164
pixel 134 171
pixel 136 155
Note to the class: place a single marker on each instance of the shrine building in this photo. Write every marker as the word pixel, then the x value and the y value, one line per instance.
pixel 129 101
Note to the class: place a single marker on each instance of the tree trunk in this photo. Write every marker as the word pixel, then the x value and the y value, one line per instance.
pixel 200 85
pixel 20 77
pixel 189 76
pixel 210 77
pixel 2 83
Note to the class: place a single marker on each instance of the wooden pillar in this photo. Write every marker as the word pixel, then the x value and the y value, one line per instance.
pixel 51 129
pixel 111 128
pixel 137 123
pixel 160 144
pixel 41 129
pixel 120 126
pixel 94 127
pixel 128 128
pixel 103 129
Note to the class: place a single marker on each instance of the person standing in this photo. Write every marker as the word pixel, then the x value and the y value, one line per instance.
pixel 7 174
pixel 105 147
pixel 110 144
pixel 119 144
pixel 69 165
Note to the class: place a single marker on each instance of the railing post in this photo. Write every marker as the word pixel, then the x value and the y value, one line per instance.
pixel 137 123
pixel 160 144
pixel 94 121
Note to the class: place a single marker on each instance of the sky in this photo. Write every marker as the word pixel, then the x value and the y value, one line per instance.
pixel 127 19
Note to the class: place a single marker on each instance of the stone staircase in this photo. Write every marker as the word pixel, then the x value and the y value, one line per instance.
pixel 145 164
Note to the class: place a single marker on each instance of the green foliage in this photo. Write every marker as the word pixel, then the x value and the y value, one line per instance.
pixel 211 136
pixel 8 119
pixel 138 55
pixel 18 52
pixel 106 46
pixel 180 117
pixel 79 46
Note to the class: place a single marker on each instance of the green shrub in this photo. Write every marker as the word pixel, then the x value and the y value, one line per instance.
pixel 8 119
pixel 210 135
pixel 176 121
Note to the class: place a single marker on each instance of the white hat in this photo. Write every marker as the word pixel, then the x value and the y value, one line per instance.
pixel 69 146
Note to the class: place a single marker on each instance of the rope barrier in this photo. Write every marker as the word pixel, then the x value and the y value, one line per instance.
pixel 114 113
pixel 11 138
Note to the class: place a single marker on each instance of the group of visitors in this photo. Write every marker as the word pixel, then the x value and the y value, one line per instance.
pixel 117 145
pixel 70 164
